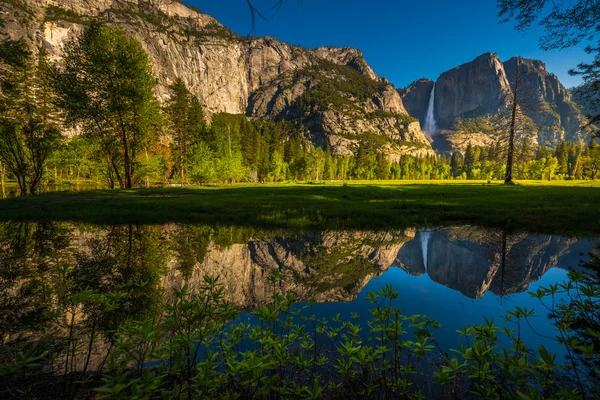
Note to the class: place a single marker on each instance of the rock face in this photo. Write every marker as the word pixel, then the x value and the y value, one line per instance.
pixel 589 100
pixel 259 77
pixel 448 142
pixel 416 98
pixel 550 104
pixel 472 89
pixel 334 266
pixel 482 88
pixel 329 266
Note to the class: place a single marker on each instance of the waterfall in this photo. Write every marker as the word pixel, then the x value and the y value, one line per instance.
pixel 430 125
pixel 425 236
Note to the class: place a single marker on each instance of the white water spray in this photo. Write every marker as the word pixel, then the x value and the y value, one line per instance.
pixel 430 125
pixel 425 236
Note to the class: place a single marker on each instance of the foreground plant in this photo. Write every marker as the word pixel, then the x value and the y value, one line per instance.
pixel 198 347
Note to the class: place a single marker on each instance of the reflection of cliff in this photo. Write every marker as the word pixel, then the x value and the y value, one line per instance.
pixel 473 261
pixel 527 261
pixel 329 266
pixel 119 273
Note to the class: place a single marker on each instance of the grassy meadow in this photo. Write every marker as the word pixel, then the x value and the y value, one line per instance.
pixel 557 207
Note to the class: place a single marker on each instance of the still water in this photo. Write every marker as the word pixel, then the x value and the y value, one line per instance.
pixel 456 275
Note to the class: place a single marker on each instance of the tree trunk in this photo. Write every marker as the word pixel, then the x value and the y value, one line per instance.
pixel 147 180
pixel 77 179
pixel 126 155
pixel 181 160
pixel 128 183
pixel 2 174
pixel 503 265
pixel 22 185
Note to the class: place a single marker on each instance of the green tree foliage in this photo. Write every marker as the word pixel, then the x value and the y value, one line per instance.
pixel 566 23
pixel 106 87
pixel 201 167
pixel 29 130
pixel 456 164
pixel 474 125
pixel 105 90
pixel 75 159
pixel 591 161
pixel 186 121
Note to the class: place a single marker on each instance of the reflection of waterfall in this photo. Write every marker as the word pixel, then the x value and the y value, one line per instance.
pixel 430 125
pixel 425 236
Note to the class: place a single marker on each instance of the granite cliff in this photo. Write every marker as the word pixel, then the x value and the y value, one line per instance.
pixel 258 77
pixel 482 89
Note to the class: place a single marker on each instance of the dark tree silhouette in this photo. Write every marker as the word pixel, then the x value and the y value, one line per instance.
pixel 565 22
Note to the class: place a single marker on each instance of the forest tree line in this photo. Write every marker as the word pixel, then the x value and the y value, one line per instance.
pixel 103 91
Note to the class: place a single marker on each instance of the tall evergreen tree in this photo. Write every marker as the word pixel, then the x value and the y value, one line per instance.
pixel 469 161
pixel 456 164
pixel 29 130
pixel 383 168
pixel 177 108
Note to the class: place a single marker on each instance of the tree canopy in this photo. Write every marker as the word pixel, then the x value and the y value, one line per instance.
pixel 106 87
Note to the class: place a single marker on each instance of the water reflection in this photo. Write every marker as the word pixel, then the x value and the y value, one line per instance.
pixel 474 260
pixel 42 261
pixel 60 281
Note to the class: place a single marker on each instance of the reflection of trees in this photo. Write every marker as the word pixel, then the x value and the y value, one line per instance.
pixel 505 261
pixel 582 316
pixel 190 245
pixel 65 291
pixel 32 256
pixel 126 263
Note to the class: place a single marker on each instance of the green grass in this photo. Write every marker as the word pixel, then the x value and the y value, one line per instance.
pixel 567 207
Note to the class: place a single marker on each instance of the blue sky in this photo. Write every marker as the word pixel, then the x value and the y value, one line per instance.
pixel 401 40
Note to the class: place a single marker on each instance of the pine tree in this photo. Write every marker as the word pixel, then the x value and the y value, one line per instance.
pixel 383 168
pixel 29 126
pixel 178 108
pixel 329 165
pixel 562 154
pixel 456 164
pixel 469 161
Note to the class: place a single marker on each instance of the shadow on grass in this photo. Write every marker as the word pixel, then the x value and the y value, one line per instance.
pixel 544 209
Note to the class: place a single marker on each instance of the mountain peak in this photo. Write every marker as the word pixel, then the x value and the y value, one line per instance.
pixel 482 87
pixel 487 55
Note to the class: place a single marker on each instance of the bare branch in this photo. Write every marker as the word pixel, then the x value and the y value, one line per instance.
pixel 255 12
